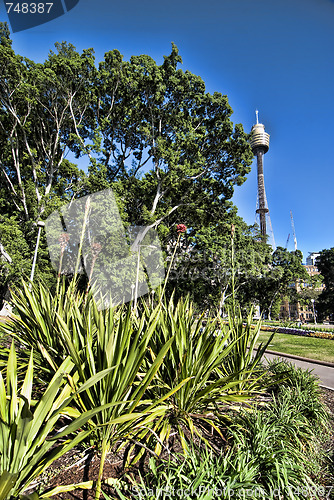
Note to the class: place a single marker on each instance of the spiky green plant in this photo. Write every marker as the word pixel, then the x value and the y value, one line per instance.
pixel 35 323
pixel 188 374
pixel 28 441
pixel 243 361
pixel 114 339
pixel 121 343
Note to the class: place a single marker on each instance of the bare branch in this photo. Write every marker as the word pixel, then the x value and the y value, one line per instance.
pixel 77 131
pixel 5 254
pixel 157 198
pixel 142 235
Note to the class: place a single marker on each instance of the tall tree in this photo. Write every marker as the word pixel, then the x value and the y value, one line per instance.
pixel 36 121
pixel 160 119
pixel 282 273
pixel 325 264
pixel 167 147
pixel 40 105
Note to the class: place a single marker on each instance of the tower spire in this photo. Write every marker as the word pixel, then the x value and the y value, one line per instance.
pixel 257 116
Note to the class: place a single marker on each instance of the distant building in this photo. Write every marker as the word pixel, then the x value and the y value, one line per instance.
pixel 311 270
pixel 298 311
pixel 310 260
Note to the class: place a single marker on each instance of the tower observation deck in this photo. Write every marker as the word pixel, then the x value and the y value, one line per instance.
pixel 259 142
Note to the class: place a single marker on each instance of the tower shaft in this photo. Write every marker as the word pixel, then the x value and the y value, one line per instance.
pixel 263 209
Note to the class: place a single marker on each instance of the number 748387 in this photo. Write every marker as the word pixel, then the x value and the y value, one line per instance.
pixel 29 8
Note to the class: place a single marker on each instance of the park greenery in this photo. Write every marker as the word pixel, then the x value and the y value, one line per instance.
pixel 166 147
pixel 136 380
pixel 312 347
pixel 325 264
pixel 161 370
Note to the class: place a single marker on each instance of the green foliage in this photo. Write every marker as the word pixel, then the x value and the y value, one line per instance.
pixel 191 378
pixel 5 34
pixel 295 377
pixel 325 264
pixel 119 347
pixel 178 358
pixel 267 453
pixel 13 241
pixel 285 269
pixel 133 377
pixel 272 439
pixel 307 296
pixel 203 263
pixel 241 362
pixel 198 476
pixel 108 342
pixel 35 178
pixel 166 146
pixel 35 323
pixel 28 443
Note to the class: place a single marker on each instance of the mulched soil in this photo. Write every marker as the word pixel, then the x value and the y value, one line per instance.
pixel 328 398
pixel 79 466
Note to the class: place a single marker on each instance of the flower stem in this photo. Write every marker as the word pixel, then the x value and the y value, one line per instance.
pixel 169 267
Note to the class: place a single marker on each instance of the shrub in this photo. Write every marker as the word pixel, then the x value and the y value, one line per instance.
pixel 28 443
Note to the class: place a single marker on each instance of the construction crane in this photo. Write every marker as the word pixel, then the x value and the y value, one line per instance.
pixel 287 241
pixel 293 229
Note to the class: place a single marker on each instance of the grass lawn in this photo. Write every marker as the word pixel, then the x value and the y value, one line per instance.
pixel 309 347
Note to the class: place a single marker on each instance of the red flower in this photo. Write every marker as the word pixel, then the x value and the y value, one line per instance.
pixel 181 228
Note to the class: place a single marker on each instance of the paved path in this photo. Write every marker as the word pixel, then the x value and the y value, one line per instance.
pixel 323 371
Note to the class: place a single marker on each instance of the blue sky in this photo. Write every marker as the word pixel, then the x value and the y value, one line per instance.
pixel 272 55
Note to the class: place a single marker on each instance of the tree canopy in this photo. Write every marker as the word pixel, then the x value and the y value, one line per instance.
pixel 167 148
pixel 284 269
pixel 325 264
pixel 151 132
